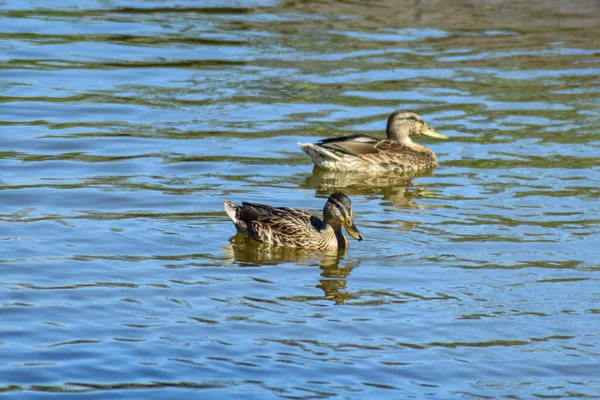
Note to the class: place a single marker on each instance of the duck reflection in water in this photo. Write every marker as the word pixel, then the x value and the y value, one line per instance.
pixel 246 252
pixel 394 187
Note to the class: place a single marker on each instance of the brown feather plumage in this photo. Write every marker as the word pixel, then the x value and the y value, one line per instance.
pixel 293 227
pixel 368 154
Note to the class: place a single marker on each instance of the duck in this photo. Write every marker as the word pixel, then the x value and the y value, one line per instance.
pixel 363 153
pixel 292 227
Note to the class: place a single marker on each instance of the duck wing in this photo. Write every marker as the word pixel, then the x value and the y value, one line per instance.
pixel 281 219
pixel 354 145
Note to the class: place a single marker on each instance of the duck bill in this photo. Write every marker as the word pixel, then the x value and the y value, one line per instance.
pixel 432 133
pixel 353 231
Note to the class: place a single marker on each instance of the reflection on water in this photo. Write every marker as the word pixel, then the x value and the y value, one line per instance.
pixel 248 252
pixel 125 124
pixel 393 187
pixel 244 251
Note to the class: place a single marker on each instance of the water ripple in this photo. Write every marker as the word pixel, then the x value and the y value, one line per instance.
pixel 126 124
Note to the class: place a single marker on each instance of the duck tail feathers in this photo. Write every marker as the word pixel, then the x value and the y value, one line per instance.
pixel 317 152
pixel 232 210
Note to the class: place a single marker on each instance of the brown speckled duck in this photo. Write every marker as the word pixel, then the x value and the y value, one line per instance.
pixel 363 153
pixel 296 228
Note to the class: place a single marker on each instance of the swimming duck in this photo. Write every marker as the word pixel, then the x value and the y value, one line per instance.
pixel 363 153
pixel 296 228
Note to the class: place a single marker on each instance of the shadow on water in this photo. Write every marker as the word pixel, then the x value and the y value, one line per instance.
pixel 396 188
pixel 246 252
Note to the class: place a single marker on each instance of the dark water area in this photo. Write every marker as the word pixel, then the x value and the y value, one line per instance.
pixel 125 124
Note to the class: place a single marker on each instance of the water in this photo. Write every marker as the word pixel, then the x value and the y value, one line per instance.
pixel 125 124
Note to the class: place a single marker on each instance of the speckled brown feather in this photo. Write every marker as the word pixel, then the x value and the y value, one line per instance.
pixel 364 153
pixel 374 155
pixel 283 226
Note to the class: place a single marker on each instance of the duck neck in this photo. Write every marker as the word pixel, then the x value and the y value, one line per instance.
pixel 407 141
pixel 335 230
pixel 396 135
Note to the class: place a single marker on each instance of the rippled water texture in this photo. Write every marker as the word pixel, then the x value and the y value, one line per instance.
pixel 125 124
